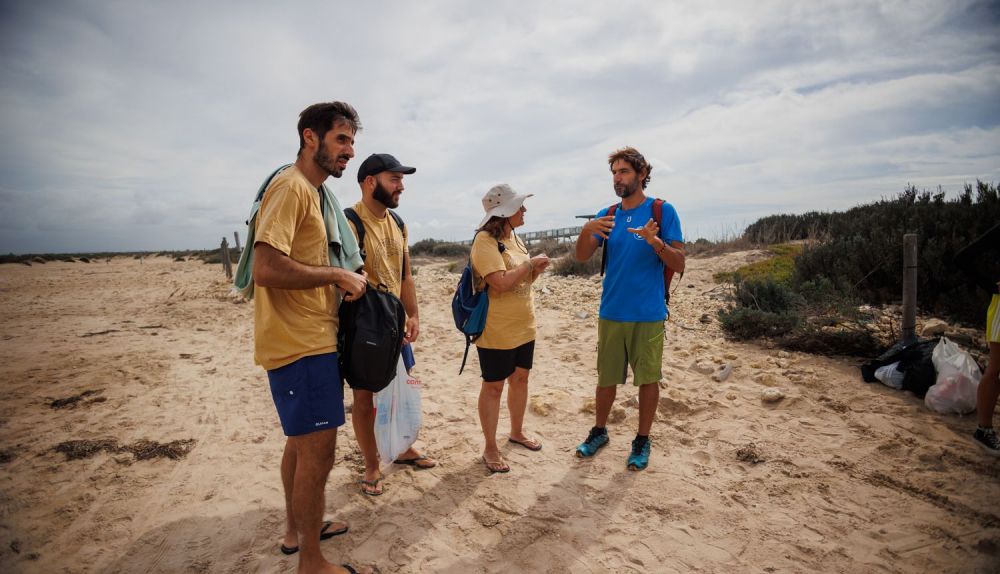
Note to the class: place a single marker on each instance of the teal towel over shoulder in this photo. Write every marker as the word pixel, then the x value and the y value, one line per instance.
pixel 343 246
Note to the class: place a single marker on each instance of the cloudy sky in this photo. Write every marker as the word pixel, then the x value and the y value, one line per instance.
pixel 131 125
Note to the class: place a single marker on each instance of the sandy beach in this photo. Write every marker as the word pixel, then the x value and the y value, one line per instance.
pixel 838 476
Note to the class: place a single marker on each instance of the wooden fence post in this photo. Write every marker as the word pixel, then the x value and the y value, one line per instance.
pixel 909 288
pixel 236 236
pixel 227 265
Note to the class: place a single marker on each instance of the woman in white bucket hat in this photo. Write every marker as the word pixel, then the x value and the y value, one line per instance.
pixel 506 347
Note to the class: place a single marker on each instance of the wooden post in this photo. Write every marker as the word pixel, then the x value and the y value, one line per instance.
pixel 909 288
pixel 236 236
pixel 227 265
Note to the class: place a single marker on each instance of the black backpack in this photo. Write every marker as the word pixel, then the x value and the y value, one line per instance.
pixel 370 338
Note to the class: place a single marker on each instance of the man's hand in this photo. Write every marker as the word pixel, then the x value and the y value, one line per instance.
pixel 648 231
pixel 539 263
pixel 352 284
pixel 411 330
pixel 600 226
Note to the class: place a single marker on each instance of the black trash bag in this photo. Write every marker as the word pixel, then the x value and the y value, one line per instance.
pixel 914 362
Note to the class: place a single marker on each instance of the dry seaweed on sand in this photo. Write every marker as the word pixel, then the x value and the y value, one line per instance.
pixel 79 449
pixel 71 401
pixel 141 449
pixel 147 449
pixel 749 453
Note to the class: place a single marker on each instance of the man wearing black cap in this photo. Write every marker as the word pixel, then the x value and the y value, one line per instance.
pixel 387 261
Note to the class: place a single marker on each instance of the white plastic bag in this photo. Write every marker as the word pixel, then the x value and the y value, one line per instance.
pixel 397 415
pixel 957 383
pixel 890 375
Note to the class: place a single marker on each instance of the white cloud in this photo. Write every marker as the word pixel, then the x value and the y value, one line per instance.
pixel 150 125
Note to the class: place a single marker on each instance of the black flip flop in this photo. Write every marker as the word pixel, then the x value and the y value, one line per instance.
pixel 414 462
pixel 324 534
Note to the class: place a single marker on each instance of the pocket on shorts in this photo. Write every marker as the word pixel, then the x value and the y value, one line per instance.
pixel 325 394
pixel 289 394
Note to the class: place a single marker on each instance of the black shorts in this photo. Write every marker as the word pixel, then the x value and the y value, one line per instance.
pixel 498 364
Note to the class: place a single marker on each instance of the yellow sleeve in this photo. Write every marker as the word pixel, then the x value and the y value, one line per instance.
pixel 280 213
pixel 486 256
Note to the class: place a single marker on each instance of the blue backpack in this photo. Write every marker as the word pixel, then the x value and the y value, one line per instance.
pixel 469 308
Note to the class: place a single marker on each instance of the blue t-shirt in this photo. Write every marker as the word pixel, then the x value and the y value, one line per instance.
pixel 633 280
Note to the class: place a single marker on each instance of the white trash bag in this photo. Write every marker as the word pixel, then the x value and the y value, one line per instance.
pixel 954 391
pixel 890 375
pixel 397 415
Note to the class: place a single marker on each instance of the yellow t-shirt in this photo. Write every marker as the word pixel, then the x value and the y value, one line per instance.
pixel 510 321
pixel 385 247
pixel 293 323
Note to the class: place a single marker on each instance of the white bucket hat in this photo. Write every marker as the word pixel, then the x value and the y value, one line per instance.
pixel 501 201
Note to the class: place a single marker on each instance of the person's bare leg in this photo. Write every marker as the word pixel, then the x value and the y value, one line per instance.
pixel 363 419
pixel 649 399
pixel 489 416
pixel 291 538
pixel 605 398
pixel 314 454
pixel 989 388
pixel 517 403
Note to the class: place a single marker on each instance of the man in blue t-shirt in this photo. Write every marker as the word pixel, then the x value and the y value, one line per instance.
pixel 633 309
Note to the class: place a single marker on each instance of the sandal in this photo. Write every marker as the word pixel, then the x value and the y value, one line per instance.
pixel 324 534
pixel 528 443
pixel 419 463
pixel 372 487
pixel 495 467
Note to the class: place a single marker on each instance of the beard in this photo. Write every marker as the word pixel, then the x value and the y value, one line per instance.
pixel 383 196
pixel 328 164
pixel 625 189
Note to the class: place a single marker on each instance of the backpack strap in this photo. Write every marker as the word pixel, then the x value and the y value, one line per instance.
pixel 604 245
pixel 354 218
pixel 267 184
pixel 402 232
pixel 668 273
pixel 359 227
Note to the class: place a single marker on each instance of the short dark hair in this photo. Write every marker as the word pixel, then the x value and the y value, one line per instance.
pixel 320 118
pixel 631 156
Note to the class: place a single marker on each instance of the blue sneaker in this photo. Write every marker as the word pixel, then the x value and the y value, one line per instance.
pixel 595 441
pixel 639 457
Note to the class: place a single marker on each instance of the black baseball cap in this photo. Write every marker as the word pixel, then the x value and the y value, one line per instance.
pixel 376 163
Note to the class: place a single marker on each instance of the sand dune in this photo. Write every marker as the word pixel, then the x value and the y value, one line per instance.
pixel 838 476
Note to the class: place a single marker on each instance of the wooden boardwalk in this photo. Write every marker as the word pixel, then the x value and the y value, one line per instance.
pixel 560 235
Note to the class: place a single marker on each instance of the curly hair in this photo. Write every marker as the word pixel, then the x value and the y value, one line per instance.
pixel 631 156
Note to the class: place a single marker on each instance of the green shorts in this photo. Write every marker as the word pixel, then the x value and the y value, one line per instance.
pixel 620 345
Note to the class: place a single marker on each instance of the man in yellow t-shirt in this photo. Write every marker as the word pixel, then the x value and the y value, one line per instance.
pixel 295 322
pixel 387 263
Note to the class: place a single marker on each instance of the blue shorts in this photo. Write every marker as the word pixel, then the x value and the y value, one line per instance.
pixel 308 394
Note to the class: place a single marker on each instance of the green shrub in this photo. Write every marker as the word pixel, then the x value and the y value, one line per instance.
pixel 853 341
pixel 861 254
pixel 767 295
pixel 568 265
pixel 780 267
pixel 438 248
pixel 747 323
pixel 553 248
